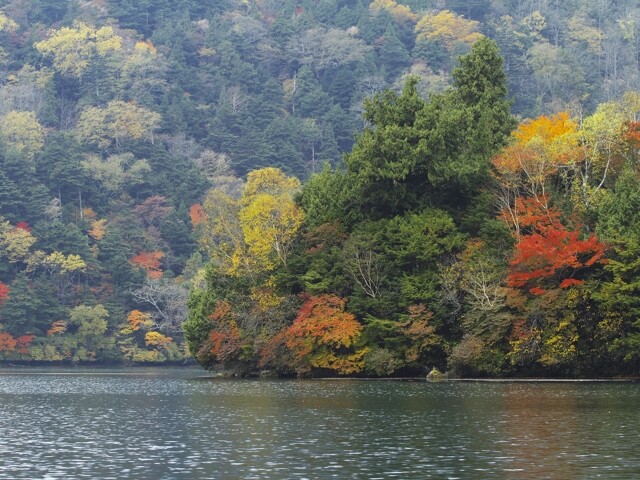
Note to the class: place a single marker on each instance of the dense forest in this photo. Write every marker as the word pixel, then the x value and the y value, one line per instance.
pixel 322 187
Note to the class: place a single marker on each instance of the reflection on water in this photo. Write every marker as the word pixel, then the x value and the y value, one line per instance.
pixel 164 425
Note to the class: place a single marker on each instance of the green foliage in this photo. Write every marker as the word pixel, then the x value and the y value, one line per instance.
pixel 325 198
pixel 387 174
pixel 418 153
pixel 31 307
pixel 618 296
pixel 202 303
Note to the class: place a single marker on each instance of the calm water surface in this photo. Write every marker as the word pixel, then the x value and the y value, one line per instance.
pixel 179 424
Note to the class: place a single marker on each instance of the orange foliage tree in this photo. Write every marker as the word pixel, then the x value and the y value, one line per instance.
pixel 545 264
pixel 138 319
pixel 632 134
pixel 57 327
pixel 150 262
pixel 197 215
pixel 324 336
pixel 7 342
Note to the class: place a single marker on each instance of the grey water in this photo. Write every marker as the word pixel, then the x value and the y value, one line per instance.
pixel 166 424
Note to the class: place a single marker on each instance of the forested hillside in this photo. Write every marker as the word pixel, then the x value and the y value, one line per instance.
pixel 138 140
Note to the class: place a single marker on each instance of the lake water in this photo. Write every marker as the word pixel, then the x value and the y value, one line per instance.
pixel 164 424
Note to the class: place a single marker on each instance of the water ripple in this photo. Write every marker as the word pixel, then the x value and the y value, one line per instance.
pixel 182 426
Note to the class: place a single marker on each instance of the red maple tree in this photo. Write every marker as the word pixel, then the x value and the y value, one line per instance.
pixel 549 255
pixel 24 342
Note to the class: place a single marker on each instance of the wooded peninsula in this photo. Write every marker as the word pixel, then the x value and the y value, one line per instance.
pixel 322 187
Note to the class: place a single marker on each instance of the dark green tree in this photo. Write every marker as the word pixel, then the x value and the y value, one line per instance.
pixel 393 54
pixel 31 307
pixel 387 171
pixel 619 296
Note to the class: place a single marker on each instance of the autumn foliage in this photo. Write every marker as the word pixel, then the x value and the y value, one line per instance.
pixel 555 130
pixel 21 344
pixel 153 210
pixel 632 134
pixel 57 327
pixel 156 339
pixel 98 229
pixel 540 148
pixel 402 13
pixel 7 342
pixel 24 342
pixel 324 336
pixel 4 293
pixel 421 332
pixel 447 28
pixel 150 262
pixel 197 214
pixel 550 255
pixel 138 319
pixel 23 226
pixel 224 341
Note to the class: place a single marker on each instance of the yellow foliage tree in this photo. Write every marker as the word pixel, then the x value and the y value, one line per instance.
pixel 447 28
pixel 271 181
pixel 401 13
pixel 600 141
pixel 57 261
pixel 7 24
pixel 254 234
pixel 23 132
pixel 157 339
pixel 550 132
pixel 63 270
pixel 73 48
pixel 270 218
pixel 98 229
pixel 116 122
pixel 58 327
pixel 270 225
pixel 222 236
pixel 89 213
pixel 15 243
pixel 539 148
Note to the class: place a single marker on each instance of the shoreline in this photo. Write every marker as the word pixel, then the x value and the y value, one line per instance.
pixel 6 369
pixel 492 380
